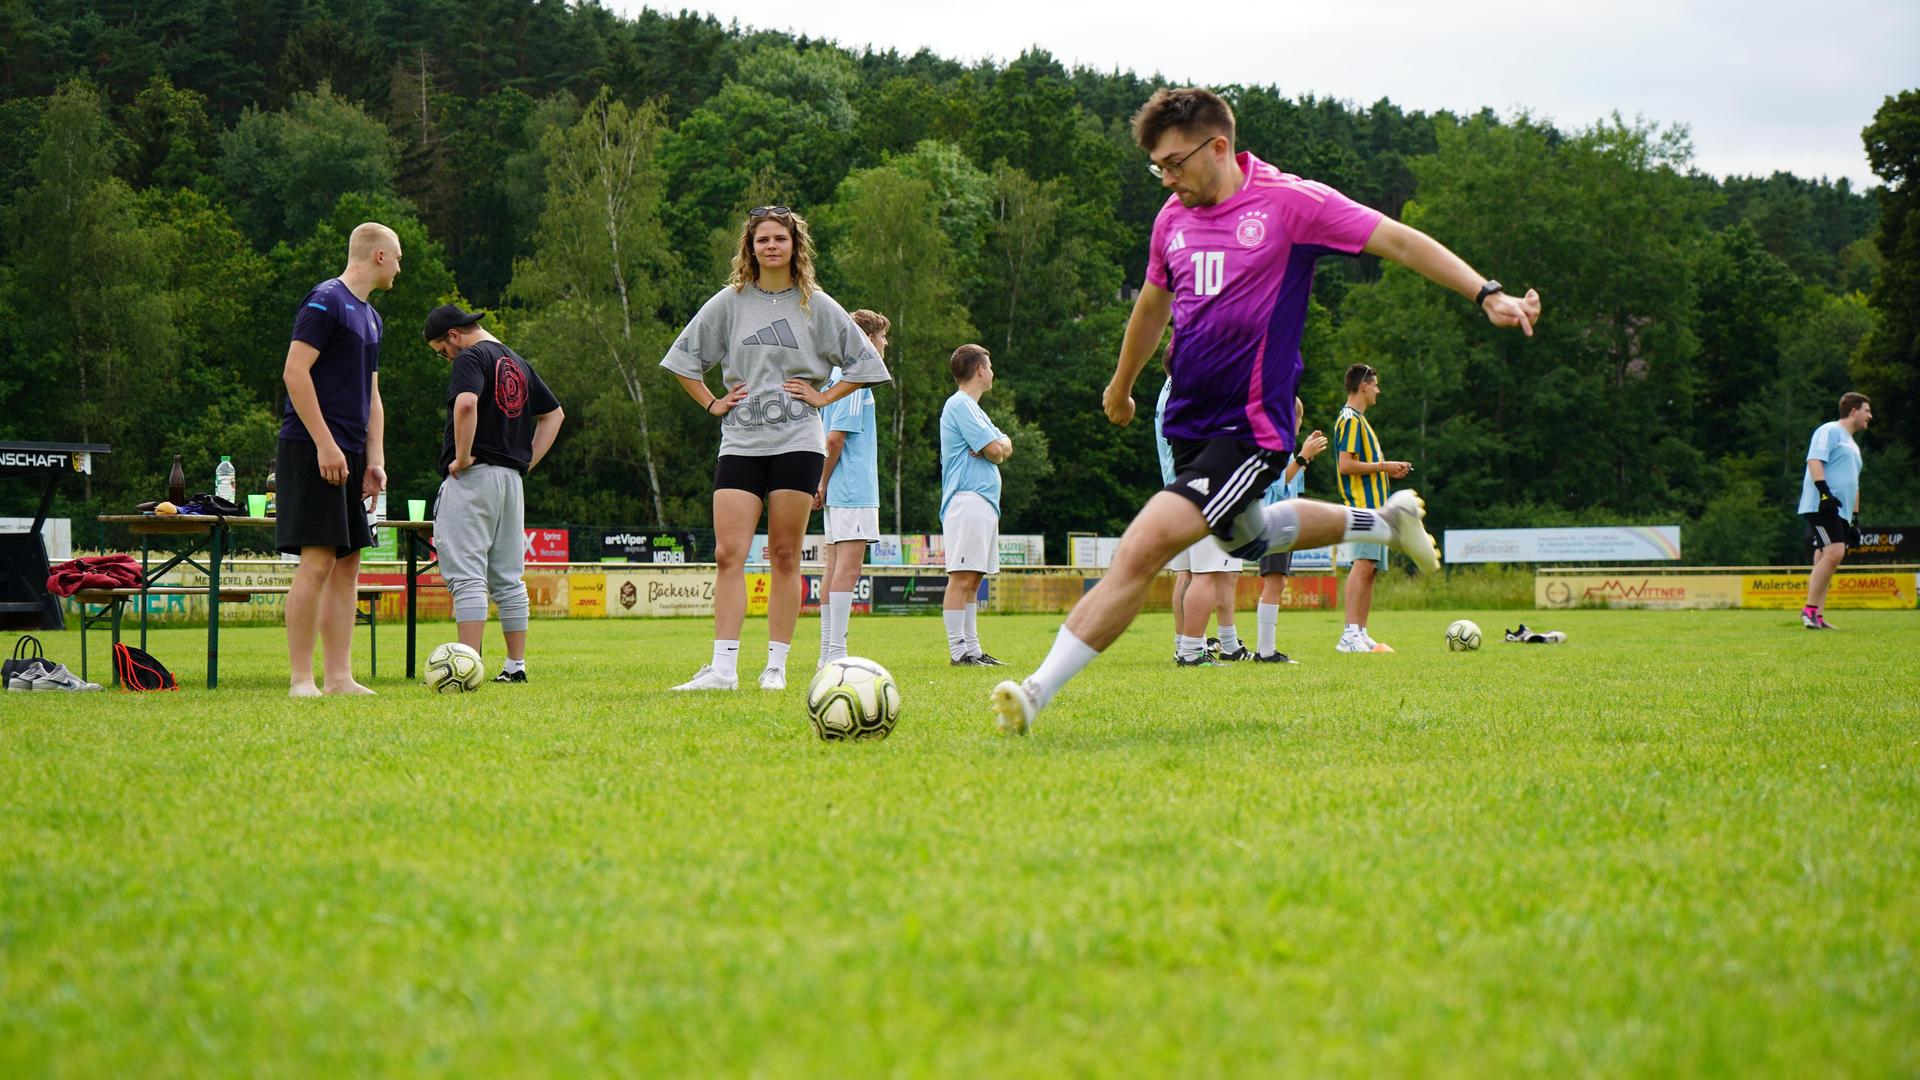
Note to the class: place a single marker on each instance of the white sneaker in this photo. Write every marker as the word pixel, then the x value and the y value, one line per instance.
pixel 58 677
pixel 1014 706
pixel 1406 514
pixel 23 680
pixel 709 679
pixel 773 679
pixel 1353 643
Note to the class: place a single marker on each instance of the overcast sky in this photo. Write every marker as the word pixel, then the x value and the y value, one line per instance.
pixel 1763 85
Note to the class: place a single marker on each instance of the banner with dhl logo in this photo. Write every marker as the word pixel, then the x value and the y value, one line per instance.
pixel 1850 589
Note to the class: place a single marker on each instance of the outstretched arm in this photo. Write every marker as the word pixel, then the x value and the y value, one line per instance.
pixel 1430 259
pixel 1151 311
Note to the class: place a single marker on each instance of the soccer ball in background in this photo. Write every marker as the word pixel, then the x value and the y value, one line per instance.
pixel 1463 635
pixel 454 668
pixel 852 699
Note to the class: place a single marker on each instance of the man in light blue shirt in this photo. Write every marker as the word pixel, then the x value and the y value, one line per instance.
pixel 1830 500
pixel 1275 567
pixel 850 495
pixel 971 450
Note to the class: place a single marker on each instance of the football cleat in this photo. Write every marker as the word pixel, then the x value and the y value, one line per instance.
pixel 1238 654
pixel 1275 658
pixel 773 679
pixel 708 679
pixel 1406 515
pixel 1014 706
pixel 511 676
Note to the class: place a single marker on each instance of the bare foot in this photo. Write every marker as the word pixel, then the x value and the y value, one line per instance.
pixel 351 687
pixel 304 689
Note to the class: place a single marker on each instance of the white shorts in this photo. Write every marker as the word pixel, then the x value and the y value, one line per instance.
pixel 972 534
pixel 1206 556
pixel 853 523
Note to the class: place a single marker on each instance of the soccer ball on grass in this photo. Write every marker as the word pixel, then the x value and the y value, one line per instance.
pixel 1463 635
pixel 852 699
pixel 454 668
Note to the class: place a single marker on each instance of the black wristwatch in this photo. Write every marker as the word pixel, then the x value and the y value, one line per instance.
pixel 1487 290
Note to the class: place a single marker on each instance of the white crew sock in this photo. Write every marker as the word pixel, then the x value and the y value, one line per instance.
pixel 973 628
pixel 956 634
pixel 839 609
pixel 1189 648
pixel 1352 631
pixel 777 655
pixel 510 665
pixel 1365 525
pixel 726 659
pixel 1229 639
pixel 1269 623
pixel 1068 655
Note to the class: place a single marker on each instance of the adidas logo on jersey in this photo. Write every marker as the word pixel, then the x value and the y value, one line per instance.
pixel 777 334
pixel 1179 241
pixel 1201 485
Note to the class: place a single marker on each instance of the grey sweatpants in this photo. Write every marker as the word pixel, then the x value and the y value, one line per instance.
pixel 480 532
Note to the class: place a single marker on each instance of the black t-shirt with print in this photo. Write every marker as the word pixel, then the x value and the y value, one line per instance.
pixel 511 396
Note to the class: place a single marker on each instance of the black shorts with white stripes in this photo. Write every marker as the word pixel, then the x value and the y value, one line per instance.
pixel 1222 477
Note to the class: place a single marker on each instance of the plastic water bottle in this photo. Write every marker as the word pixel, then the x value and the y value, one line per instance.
pixel 223 483
pixel 379 511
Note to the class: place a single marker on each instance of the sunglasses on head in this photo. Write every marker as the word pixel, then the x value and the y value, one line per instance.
pixel 768 211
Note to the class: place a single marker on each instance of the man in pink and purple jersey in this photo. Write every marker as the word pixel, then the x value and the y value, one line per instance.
pixel 1231 266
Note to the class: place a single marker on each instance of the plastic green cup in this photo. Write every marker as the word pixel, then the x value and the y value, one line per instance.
pixel 257 506
pixel 416 509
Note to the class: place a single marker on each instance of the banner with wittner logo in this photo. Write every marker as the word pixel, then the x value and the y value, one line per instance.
pixel 1621 543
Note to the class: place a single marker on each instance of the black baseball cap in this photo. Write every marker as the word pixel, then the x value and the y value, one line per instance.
pixel 446 317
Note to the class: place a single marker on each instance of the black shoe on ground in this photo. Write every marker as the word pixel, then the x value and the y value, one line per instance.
pixel 1234 657
pixel 1203 660
pixel 512 676
pixel 986 660
pixel 1275 658
pixel 966 661
pixel 1213 647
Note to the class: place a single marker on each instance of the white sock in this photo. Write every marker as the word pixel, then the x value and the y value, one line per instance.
pixel 726 659
pixel 1068 655
pixel 1229 638
pixel 839 609
pixel 510 665
pixel 1352 631
pixel 1364 525
pixel 1269 622
pixel 777 655
pixel 1190 648
pixel 956 634
pixel 973 627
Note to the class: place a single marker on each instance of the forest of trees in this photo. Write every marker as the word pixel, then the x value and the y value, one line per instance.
pixel 177 176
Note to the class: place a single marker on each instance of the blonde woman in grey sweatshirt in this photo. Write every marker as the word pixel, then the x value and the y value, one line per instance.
pixel 776 338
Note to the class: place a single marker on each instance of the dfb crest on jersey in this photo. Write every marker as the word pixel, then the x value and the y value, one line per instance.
pixel 1252 229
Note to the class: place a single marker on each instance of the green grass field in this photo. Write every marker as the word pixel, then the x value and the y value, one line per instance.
pixel 1684 843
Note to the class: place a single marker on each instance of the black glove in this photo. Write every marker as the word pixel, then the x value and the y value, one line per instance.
pixel 1827 501
pixel 1853 535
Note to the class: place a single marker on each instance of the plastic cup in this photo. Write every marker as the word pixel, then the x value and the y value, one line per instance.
pixel 416 509
pixel 257 506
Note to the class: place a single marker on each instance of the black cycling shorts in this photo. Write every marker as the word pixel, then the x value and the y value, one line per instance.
pixel 795 470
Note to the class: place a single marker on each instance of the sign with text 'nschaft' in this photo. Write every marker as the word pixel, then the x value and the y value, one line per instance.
pixel 1621 543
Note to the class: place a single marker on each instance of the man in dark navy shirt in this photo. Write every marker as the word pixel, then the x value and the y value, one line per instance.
pixel 332 456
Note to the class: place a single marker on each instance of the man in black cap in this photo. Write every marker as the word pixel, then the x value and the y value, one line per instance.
pixel 501 420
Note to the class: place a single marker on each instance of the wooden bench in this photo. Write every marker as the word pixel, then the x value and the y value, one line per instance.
pixel 112 603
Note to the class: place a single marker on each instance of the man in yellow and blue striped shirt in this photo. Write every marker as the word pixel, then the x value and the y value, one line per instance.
pixel 1364 482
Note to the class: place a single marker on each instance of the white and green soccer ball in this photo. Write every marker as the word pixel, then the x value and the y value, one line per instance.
pixel 852 699
pixel 454 668
pixel 1463 635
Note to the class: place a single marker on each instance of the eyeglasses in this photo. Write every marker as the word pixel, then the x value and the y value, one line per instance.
pixel 769 211
pixel 1178 168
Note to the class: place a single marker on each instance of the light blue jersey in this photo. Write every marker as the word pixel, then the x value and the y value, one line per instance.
pixel 1159 433
pixel 1283 488
pixel 1835 448
pixel 856 476
pixel 964 431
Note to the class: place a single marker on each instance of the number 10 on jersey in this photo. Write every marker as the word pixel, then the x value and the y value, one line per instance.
pixel 1209 272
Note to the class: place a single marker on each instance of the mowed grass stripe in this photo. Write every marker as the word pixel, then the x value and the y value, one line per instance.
pixel 1684 842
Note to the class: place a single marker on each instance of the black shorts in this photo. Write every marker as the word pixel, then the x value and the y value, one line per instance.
pixel 310 511
pixel 1828 528
pixel 795 470
pixel 1223 477
pixel 1280 562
